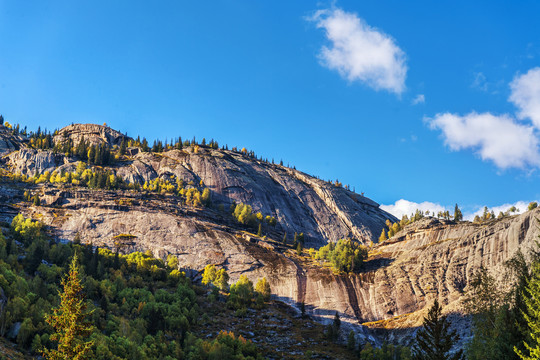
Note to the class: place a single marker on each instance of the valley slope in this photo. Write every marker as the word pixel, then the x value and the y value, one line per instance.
pixel 429 259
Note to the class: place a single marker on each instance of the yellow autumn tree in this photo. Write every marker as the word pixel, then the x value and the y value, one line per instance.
pixel 70 320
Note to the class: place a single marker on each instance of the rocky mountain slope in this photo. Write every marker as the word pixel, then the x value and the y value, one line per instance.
pixel 300 203
pixel 428 259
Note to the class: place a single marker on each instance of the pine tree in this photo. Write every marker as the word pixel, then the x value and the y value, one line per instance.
pixel 532 317
pixel 336 325
pixel 123 146
pixel 434 341
pixel 458 216
pixel 351 341
pixel 70 320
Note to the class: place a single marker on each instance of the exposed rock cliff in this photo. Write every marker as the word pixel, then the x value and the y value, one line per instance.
pixel 92 133
pixel 300 203
pixel 9 142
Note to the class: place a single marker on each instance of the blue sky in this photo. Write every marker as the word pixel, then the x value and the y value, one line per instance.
pixel 422 101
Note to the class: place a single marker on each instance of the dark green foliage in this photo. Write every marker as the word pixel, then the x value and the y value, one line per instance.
pixel 499 325
pixel 332 330
pixel 458 215
pixel 385 352
pixel 351 341
pixel 140 308
pixel 434 340
pixel 241 293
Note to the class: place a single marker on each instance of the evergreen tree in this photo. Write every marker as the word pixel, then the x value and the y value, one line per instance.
pixel 70 320
pixel 434 341
pixel 123 146
pixel 351 341
pixel 336 325
pixel 532 317
pixel 458 216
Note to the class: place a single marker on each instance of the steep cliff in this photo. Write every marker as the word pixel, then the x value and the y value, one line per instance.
pixel 300 203
pixel 10 142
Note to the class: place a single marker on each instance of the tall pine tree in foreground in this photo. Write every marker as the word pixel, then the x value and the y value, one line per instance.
pixel 532 316
pixel 434 340
pixel 70 320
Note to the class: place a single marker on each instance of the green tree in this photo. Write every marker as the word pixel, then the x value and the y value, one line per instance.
pixel 532 317
pixel 123 146
pixel 458 215
pixel 532 205
pixel 242 291
pixel 351 341
pixel 434 341
pixel 70 320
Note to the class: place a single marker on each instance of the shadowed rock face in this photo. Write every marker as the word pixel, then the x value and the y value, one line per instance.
pixel 300 203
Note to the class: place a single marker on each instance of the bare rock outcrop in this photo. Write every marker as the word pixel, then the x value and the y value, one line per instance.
pixel 10 142
pixel 94 134
pixel 299 202
pixel 32 161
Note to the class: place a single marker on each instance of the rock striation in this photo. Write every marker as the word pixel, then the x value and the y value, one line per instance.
pixel 299 202
pixel 10 142
pixel 94 134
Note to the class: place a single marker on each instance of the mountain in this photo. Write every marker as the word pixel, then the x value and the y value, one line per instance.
pixel 428 259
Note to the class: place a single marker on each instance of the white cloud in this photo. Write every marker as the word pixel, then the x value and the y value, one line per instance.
pixel 360 52
pixel 497 138
pixel 405 207
pixel 419 99
pixel 526 95
pixel 521 206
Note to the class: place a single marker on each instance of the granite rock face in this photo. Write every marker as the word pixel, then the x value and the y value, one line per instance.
pixel 32 161
pixel 430 259
pixel 10 142
pixel 92 133
pixel 299 202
